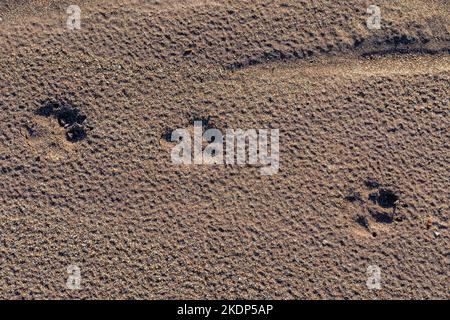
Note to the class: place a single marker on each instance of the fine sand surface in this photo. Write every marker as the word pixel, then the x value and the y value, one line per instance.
pixel 364 176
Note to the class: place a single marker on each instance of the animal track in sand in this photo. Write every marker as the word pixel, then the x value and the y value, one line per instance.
pixel 376 206
pixel 207 123
pixel 54 130
pixel 68 117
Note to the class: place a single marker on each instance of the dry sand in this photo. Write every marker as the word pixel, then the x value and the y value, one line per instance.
pixel 364 149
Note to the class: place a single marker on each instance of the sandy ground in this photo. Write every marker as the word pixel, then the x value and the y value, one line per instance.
pixel 364 149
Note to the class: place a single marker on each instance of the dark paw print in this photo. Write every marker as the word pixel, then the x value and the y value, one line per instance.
pixel 377 205
pixel 68 117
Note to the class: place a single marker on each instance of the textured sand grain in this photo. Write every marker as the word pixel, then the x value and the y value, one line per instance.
pixel 352 105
